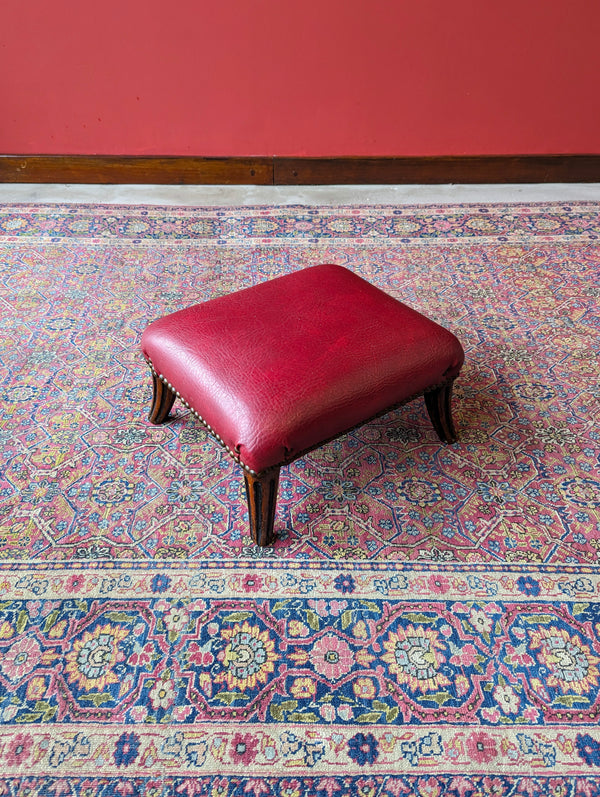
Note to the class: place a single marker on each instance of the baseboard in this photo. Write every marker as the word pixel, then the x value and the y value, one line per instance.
pixel 106 169
pixel 439 170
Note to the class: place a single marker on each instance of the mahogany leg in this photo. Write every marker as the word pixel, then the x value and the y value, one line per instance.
pixel 440 412
pixel 162 401
pixel 261 491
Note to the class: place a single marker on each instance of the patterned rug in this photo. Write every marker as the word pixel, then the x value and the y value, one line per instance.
pixel 428 621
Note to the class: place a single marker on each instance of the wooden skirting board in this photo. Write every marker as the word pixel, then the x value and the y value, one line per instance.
pixel 108 169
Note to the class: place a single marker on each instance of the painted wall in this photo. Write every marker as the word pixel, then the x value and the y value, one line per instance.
pixel 299 77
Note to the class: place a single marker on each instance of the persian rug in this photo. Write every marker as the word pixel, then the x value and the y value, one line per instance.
pixel 428 620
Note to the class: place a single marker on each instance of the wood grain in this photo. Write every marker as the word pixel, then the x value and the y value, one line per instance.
pixel 103 169
pixel 419 171
pixel 145 170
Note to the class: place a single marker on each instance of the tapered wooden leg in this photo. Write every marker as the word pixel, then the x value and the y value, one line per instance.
pixel 261 491
pixel 162 401
pixel 440 412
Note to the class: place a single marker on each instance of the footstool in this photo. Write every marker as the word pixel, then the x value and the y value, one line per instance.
pixel 278 369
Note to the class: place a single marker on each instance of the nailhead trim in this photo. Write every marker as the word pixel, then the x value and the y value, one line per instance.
pixel 234 455
pixel 194 412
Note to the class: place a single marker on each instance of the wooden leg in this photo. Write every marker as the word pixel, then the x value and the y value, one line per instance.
pixel 162 401
pixel 261 491
pixel 440 412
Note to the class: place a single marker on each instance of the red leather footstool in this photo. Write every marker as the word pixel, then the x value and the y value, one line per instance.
pixel 278 369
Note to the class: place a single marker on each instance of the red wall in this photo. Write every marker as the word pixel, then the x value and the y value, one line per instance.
pixel 285 77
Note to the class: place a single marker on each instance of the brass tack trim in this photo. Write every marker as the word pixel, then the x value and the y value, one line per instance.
pixel 235 456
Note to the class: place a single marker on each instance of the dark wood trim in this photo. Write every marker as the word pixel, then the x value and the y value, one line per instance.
pixel 261 492
pixel 107 169
pixel 432 170
pixel 177 170
pixel 439 408
pixel 162 401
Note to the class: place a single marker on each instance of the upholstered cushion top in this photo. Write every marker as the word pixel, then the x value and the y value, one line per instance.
pixel 282 366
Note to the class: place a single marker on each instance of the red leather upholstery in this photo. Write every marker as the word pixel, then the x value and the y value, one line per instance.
pixel 280 367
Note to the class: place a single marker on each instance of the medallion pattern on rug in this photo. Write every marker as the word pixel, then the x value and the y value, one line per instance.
pixel 87 477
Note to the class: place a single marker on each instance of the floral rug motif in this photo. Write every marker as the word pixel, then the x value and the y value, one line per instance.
pixel 428 620
pixel 312 679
